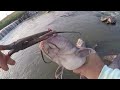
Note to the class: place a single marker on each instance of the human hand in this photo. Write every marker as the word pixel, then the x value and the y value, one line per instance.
pixel 5 60
pixel 72 57
pixel 92 68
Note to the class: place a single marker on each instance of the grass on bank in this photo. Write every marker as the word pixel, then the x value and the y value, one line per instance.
pixel 10 18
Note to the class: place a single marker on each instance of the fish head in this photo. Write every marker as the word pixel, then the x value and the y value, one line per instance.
pixel 63 52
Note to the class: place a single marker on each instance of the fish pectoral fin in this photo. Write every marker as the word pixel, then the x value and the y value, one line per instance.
pixel 59 72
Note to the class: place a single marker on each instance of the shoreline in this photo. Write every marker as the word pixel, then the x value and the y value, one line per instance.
pixel 19 19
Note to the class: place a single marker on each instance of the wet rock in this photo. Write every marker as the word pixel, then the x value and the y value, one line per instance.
pixel 116 62
pixel 108 20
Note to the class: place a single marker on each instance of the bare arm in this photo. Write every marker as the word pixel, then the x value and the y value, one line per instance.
pixel 94 68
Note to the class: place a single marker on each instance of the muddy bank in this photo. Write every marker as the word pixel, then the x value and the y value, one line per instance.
pixel 29 63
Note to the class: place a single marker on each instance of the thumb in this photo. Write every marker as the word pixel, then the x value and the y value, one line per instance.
pixel 3 64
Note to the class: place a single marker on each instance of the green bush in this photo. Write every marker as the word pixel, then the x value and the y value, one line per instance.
pixel 10 18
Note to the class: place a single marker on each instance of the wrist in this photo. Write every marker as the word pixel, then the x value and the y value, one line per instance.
pixel 94 66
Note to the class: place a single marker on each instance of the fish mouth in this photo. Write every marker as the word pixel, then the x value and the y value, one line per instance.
pixel 51 42
pixel 49 49
pixel 42 47
pixel 48 44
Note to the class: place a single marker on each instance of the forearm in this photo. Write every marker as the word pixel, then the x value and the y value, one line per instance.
pixel 108 73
